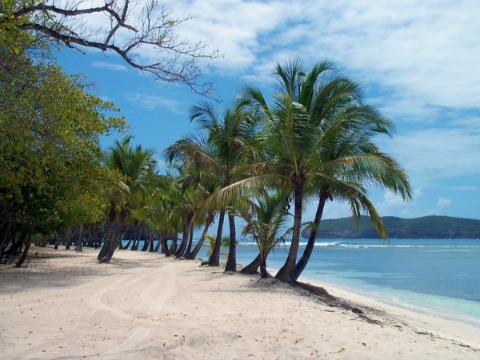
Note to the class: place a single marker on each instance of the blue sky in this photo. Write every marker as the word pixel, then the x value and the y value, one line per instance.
pixel 418 62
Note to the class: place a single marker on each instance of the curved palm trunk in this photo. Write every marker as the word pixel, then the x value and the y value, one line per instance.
pixel 190 242
pixel 127 246
pixel 287 270
pixel 252 268
pixel 109 232
pixel 257 263
pixel 108 238
pixel 192 255
pixel 302 263
pixel 232 249
pixel 173 246
pixel 185 236
pixel 214 259
pixel 113 244
pixel 159 244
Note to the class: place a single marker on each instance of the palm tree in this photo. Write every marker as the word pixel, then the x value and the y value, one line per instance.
pixel 319 133
pixel 265 217
pixel 229 142
pixel 344 173
pixel 136 166
pixel 290 137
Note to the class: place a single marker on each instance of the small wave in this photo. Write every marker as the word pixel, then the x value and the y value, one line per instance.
pixel 328 244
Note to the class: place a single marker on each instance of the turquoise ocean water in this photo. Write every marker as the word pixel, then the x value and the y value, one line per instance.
pixel 435 276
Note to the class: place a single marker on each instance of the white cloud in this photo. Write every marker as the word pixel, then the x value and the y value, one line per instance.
pixel 442 202
pixel 154 102
pixel 109 66
pixel 415 49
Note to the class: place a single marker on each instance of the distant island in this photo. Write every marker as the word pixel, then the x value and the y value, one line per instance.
pixel 427 227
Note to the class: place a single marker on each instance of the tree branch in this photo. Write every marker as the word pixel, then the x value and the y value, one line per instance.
pixel 130 28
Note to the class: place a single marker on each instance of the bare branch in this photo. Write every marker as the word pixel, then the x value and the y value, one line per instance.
pixel 142 33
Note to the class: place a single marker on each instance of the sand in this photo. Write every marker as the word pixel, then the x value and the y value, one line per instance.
pixel 64 305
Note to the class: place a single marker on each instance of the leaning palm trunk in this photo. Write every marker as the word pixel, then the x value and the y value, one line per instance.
pixel 158 246
pixel 302 263
pixel 286 271
pixel 192 255
pixel 214 259
pixel 108 239
pixel 260 262
pixel 190 242
pixel 185 236
pixel 232 249
pixel 115 240
pixel 252 268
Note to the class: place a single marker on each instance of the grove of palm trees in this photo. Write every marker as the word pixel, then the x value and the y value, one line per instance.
pixel 253 163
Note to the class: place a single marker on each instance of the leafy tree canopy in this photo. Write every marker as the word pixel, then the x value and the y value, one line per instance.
pixel 50 155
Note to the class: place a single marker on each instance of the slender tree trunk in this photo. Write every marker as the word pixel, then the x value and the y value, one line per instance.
pixel 159 244
pixel 68 238
pixel 190 242
pixel 263 271
pixel 137 234
pixel 150 240
pixel 127 246
pixel 16 245
pixel 25 251
pixel 286 271
pixel 302 263
pixel 91 233
pixel 183 243
pixel 146 242
pixel 3 242
pixel 214 259
pixel 232 249
pixel 163 242
pixel 79 247
pixel 108 239
pixel 173 246
pixel 117 239
pixel 192 255
pixel 57 241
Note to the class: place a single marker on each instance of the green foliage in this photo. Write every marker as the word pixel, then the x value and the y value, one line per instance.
pixel 12 37
pixel 51 160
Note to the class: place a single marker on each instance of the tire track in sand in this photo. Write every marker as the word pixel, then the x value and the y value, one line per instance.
pixel 153 290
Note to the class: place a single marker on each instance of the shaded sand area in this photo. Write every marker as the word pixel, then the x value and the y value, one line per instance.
pixel 64 305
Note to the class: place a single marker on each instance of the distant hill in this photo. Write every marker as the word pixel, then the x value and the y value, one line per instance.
pixel 427 227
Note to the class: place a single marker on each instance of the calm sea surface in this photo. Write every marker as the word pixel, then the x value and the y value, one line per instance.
pixel 440 276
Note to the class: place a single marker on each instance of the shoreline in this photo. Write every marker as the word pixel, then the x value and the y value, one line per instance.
pixel 143 305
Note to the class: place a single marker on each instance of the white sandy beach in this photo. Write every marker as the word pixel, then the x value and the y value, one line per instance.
pixel 64 305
